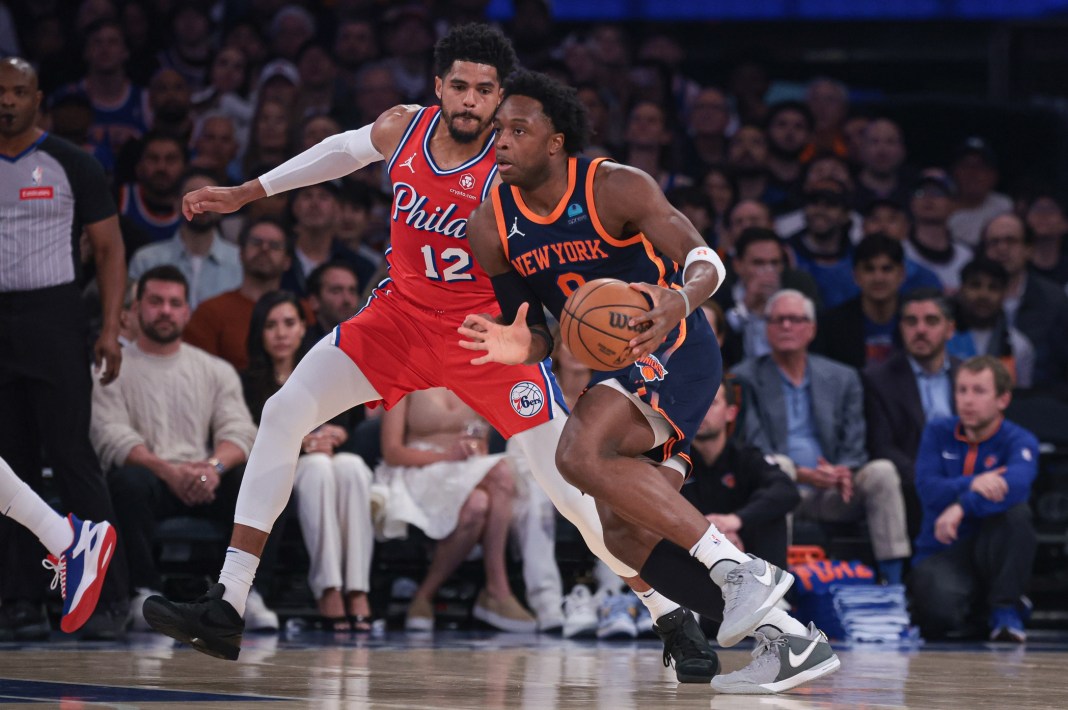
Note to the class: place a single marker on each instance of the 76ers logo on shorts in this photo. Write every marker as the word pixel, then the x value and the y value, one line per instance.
pixel 527 399
pixel 467 181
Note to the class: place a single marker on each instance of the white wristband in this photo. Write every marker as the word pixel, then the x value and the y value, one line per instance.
pixel 709 255
pixel 685 299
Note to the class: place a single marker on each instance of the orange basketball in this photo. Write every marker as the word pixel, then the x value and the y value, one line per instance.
pixel 594 323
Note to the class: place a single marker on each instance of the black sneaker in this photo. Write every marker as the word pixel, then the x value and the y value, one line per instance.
pixel 24 621
pixel 209 624
pixel 685 643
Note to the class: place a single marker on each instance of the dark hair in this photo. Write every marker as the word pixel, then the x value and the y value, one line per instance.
pixel 796 106
pixel 878 244
pixel 983 266
pixel 259 377
pixel 752 235
pixel 191 173
pixel 1002 378
pixel 164 272
pixel 102 23
pixel 689 196
pixel 246 229
pixel 476 43
pixel 157 136
pixel 932 294
pixel 258 360
pixel 734 205
pixel 559 103
pixel 315 278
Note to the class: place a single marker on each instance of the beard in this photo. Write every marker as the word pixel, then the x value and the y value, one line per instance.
pixel 165 335
pixel 204 222
pixel 460 135
pixel 784 153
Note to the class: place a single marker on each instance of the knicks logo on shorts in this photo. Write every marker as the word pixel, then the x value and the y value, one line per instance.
pixel 527 399
pixel 651 369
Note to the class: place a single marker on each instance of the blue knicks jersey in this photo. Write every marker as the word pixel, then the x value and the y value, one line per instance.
pixel 558 253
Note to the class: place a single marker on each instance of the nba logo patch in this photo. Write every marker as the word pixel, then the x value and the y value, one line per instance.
pixel 467 181
pixel 527 399
pixel 36 176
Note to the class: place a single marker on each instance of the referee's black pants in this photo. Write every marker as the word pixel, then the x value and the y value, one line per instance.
pixel 45 398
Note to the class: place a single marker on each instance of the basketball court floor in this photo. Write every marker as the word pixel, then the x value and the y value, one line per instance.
pixel 459 670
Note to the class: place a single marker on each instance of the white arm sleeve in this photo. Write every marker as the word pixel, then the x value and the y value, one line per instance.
pixel 331 159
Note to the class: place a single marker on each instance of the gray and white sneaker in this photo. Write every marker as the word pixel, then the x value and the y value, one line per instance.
pixel 781 664
pixel 750 590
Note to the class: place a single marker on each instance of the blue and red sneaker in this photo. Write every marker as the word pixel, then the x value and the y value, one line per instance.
pixel 81 568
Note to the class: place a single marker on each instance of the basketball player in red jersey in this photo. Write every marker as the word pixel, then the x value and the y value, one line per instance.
pixel 629 435
pixel 441 164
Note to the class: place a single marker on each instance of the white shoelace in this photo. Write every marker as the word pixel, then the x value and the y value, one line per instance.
pixel 59 567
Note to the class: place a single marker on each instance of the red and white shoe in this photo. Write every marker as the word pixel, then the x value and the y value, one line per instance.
pixel 80 570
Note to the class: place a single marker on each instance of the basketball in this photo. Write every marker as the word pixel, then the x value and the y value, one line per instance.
pixel 594 323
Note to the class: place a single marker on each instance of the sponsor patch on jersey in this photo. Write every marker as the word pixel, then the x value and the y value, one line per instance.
pixel 36 193
pixel 467 181
pixel 575 213
pixel 527 399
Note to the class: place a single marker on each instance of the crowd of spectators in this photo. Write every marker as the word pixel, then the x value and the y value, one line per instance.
pixel 858 280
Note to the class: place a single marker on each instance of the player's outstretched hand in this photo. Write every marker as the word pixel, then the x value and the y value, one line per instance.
pixel 669 308
pixel 507 344
pixel 220 199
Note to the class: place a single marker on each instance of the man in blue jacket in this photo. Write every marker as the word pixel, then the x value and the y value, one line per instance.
pixel 977 544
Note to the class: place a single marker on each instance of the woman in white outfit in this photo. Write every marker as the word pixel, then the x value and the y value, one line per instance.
pixel 332 488
pixel 436 475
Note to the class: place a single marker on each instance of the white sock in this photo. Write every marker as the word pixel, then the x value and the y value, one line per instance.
pixel 21 504
pixel 239 569
pixel 713 549
pixel 778 622
pixel 656 603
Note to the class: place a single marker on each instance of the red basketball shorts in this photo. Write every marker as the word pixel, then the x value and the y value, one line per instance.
pixel 401 348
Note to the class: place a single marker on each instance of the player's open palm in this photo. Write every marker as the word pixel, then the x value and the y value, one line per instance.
pixel 212 199
pixel 507 344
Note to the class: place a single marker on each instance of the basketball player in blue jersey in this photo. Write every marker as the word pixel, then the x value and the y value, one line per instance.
pixel 559 221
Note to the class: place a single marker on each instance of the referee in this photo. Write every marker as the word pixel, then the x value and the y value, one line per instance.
pixel 50 192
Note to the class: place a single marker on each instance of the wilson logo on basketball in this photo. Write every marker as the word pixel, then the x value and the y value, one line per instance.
pixel 651 369
pixel 527 399
pixel 621 321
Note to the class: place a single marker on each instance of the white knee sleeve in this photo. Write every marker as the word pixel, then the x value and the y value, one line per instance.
pixel 539 447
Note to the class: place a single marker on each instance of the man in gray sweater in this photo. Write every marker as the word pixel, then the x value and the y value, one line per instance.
pixel 170 431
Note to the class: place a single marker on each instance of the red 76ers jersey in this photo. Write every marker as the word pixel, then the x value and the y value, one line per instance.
pixel 430 262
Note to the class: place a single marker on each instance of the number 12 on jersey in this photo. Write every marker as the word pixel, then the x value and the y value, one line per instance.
pixel 457 263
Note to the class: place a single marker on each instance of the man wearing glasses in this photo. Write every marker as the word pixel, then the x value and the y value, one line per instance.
pixel 220 325
pixel 808 411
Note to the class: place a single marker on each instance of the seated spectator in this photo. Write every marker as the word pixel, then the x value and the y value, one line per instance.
pixel 152 202
pixel 716 318
pixel 823 167
pixel 1047 219
pixel 332 487
pixel 789 127
pixel 172 433
pixel 912 387
pixel 210 264
pixel 974 474
pixel 646 145
pixel 975 170
pixel 706 131
pixel 930 243
pixel 810 409
pixel 719 185
pixel 862 330
pixel 890 218
pixel 882 175
pixel 695 205
pixel 316 214
pixel 759 261
pixel 747 159
pixel 438 477
pixel 742 493
pixel 1035 306
pixel 823 247
pixel 333 296
pixel 982 326
pixel 215 145
pixel 220 325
